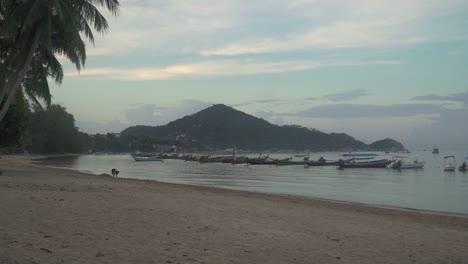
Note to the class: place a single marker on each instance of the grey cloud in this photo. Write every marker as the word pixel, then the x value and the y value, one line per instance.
pixel 150 114
pixel 361 110
pixel 344 96
pixel 276 101
pixel 270 116
pixel 92 127
pixel 144 115
pixel 456 97
pixel 449 132
pixel 265 115
pixel 256 102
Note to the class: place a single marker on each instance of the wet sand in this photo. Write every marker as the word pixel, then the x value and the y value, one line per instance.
pixel 50 215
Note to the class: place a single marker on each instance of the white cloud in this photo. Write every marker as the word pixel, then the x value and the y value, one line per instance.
pixel 151 114
pixel 235 27
pixel 94 127
pixel 348 34
pixel 351 24
pixel 344 96
pixel 211 69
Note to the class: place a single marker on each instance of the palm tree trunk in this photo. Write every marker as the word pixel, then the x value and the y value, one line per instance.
pixel 7 84
pixel 12 87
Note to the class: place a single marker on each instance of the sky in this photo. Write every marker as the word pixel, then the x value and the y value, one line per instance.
pixel 372 69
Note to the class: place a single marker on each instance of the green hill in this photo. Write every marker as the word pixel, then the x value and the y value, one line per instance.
pixel 387 145
pixel 221 127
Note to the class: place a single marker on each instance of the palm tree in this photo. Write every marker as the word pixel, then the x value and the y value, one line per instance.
pixel 34 32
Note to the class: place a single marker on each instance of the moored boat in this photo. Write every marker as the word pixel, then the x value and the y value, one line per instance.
pixel 213 159
pixel 449 163
pixel 300 155
pixel 359 155
pixel 147 157
pixel 320 162
pixel 402 164
pixel 463 167
pixel 288 162
pixel 383 163
pixel 313 163
pixel 240 160
pixel 262 162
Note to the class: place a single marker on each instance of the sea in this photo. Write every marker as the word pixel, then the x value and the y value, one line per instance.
pixel 428 189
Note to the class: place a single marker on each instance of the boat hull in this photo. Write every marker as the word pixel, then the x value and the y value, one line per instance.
pixel 316 163
pixel 148 159
pixel 288 163
pixel 262 162
pixel 404 166
pixel 365 165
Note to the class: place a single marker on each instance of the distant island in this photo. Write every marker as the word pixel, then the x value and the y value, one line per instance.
pixel 221 127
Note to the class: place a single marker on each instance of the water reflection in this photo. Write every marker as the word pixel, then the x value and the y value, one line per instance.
pixel 68 161
pixel 429 188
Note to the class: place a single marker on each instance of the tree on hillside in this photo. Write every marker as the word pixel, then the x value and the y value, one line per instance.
pixel 34 32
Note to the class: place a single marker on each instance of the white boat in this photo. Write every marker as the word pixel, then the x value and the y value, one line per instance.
pixel 449 163
pixel 402 164
pixel 147 157
pixel 463 167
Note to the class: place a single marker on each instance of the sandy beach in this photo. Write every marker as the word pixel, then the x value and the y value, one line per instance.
pixel 50 215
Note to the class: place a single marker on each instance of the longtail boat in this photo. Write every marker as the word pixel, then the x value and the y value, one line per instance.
pixel 320 162
pixel 240 161
pixel 262 162
pixel 313 163
pixel 146 157
pixel 351 164
pixel 359 155
pixel 288 162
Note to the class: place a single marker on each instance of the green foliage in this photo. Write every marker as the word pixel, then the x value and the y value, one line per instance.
pixel 14 126
pixel 387 145
pixel 34 32
pixel 218 127
pixel 53 131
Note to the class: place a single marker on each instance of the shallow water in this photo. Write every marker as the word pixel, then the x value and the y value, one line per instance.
pixel 429 189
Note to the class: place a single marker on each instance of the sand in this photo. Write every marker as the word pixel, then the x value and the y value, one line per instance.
pixel 50 215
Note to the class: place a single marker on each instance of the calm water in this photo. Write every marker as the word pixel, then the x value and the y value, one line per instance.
pixel 430 188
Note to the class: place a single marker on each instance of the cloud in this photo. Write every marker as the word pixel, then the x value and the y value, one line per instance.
pixel 270 116
pixel 364 111
pixel 196 70
pixel 342 35
pixel 456 97
pixel 150 114
pixel 449 131
pixel 165 27
pixel 368 129
pixel 344 96
pixel 350 24
pixel 276 102
pixel 234 27
pixel 93 127
pixel 211 69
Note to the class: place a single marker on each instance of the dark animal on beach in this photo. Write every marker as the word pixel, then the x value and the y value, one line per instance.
pixel 116 173
pixel 113 172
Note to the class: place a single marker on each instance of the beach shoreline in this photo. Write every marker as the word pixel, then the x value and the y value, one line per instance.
pixel 36 160
pixel 87 218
